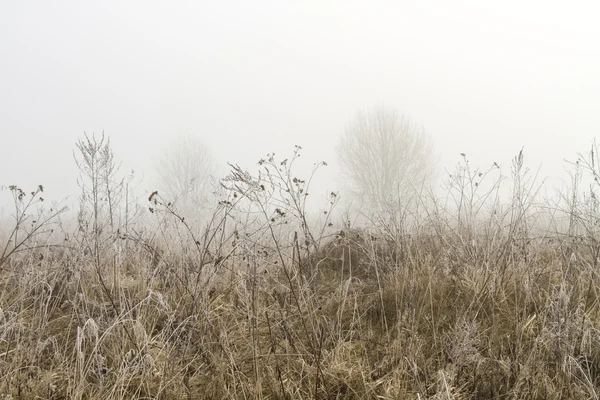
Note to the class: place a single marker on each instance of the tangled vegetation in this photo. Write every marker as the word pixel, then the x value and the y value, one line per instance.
pixel 471 297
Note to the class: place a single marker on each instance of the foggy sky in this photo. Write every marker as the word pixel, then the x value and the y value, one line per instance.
pixel 253 77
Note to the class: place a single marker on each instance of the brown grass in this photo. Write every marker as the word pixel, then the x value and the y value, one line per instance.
pixel 417 329
pixel 456 310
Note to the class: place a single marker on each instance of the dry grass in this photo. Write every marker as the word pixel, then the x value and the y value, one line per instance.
pixel 415 330
pixel 470 308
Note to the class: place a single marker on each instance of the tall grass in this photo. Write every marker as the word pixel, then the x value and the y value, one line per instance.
pixel 475 295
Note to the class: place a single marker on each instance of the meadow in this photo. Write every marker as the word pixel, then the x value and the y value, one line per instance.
pixel 488 291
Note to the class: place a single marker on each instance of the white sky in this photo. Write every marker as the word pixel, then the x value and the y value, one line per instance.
pixel 250 77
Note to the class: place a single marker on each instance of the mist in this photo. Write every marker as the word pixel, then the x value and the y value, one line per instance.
pixel 162 234
pixel 485 80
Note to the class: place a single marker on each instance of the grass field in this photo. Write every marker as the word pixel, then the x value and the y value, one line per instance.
pixel 478 300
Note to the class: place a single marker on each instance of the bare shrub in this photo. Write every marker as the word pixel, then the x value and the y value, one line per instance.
pixel 484 298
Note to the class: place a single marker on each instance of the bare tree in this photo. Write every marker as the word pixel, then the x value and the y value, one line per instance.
pixel 101 193
pixel 385 157
pixel 185 171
